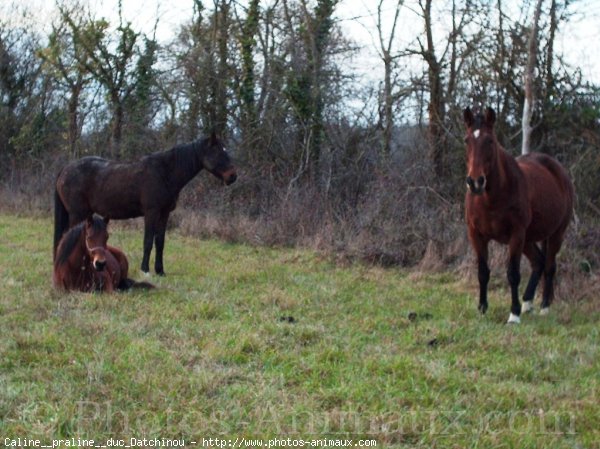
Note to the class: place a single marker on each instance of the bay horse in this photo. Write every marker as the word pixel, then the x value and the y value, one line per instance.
pixel 149 187
pixel 84 261
pixel 518 202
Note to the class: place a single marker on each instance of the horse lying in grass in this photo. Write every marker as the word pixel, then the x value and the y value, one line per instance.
pixel 148 187
pixel 518 202
pixel 85 262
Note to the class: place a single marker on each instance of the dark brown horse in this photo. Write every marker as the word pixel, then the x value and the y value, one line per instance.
pixel 84 261
pixel 149 187
pixel 518 202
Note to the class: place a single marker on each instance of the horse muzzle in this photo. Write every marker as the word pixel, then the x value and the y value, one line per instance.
pixel 229 177
pixel 476 186
pixel 99 265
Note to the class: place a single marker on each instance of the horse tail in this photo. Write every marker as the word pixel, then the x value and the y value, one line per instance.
pixel 128 284
pixel 61 220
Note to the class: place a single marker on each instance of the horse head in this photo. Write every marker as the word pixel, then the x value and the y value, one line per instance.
pixel 481 149
pixel 96 238
pixel 217 161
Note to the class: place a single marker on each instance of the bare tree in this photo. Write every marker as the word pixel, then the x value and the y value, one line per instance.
pixel 385 52
pixel 319 26
pixel 309 31
pixel 203 53
pixel 111 64
pixel 437 62
pixel 61 57
pixel 529 75
pixel 247 89
pixel 220 82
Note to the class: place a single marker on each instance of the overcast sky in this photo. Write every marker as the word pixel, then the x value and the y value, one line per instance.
pixel 579 40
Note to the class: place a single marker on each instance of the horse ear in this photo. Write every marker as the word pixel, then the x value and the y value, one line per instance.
pixel 468 116
pixel 490 117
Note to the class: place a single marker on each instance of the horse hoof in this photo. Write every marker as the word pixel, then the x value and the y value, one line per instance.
pixel 482 308
pixel 544 310
pixel 513 319
pixel 160 273
pixel 146 274
pixel 527 306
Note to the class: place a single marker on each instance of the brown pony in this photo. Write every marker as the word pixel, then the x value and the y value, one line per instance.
pixel 85 262
pixel 517 202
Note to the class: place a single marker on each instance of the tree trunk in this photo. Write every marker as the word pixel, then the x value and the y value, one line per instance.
pixel 436 109
pixel 247 88
pixel 321 31
pixel 388 119
pixel 72 113
pixel 550 57
pixel 117 129
pixel 386 56
pixel 223 70
pixel 528 104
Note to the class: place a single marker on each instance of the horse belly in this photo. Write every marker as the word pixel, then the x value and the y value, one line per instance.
pixel 550 211
pixel 546 220
pixel 115 201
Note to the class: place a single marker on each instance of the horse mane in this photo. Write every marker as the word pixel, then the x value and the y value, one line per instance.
pixel 186 157
pixel 67 243
pixel 71 238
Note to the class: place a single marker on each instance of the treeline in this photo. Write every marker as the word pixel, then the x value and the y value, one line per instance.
pixel 369 166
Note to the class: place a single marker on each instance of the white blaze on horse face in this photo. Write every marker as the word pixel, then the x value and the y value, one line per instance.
pixel 476 133
pixel 513 319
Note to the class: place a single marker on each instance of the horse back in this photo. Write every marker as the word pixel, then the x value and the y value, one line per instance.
pixel 550 192
pixel 109 188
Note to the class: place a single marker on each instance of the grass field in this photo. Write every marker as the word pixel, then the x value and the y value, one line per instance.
pixel 239 341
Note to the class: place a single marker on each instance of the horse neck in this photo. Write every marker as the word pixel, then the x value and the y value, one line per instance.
pixel 501 180
pixel 80 265
pixel 79 255
pixel 81 249
pixel 187 163
pixel 71 249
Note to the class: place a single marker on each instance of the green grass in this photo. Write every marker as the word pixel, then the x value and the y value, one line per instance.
pixel 207 354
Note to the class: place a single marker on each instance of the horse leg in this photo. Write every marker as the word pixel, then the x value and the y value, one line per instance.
pixel 108 283
pixel 121 260
pixel 160 244
pixel 536 259
pixel 149 232
pixel 480 246
pixel 513 274
pixel 553 245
